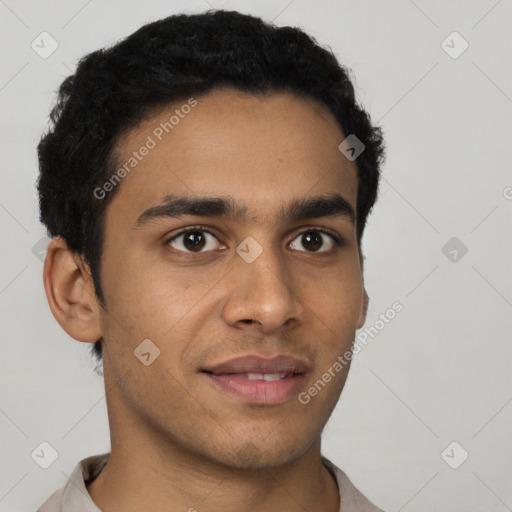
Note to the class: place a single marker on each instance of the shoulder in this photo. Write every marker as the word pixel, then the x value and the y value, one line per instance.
pixel 74 496
pixel 53 503
pixel 351 498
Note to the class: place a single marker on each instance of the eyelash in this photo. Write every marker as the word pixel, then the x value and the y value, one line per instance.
pixel 338 241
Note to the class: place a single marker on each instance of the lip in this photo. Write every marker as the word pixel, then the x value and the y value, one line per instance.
pixel 259 364
pixel 231 376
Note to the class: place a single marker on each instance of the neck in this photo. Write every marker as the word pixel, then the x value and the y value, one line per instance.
pixel 142 476
pixel 148 471
pixel 129 483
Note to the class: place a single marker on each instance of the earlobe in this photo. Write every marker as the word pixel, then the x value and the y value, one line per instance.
pixel 364 310
pixel 70 292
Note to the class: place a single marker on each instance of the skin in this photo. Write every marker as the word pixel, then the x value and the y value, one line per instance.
pixel 177 442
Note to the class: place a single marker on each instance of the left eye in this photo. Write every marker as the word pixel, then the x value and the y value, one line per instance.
pixel 313 239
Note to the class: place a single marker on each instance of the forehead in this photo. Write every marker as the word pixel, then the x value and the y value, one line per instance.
pixel 263 150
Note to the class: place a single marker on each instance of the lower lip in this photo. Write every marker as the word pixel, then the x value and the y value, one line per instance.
pixel 259 391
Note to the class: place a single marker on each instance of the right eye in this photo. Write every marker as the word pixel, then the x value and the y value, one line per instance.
pixel 193 240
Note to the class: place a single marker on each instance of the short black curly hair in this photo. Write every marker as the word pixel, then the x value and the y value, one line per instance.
pixel 163 62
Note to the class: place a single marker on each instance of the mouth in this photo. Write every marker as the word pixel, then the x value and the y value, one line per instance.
pixel 259 380
pixel 268 377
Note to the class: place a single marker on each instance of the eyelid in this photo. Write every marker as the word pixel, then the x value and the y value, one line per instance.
pixel 188 229
pixel 322 229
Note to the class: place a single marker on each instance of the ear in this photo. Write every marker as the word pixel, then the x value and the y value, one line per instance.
pixel 364 310
pixel 70 292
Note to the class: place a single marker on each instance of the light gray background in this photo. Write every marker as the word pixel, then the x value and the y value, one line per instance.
pixel 439 372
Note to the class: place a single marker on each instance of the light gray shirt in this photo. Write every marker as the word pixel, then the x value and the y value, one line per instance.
pixel 74 497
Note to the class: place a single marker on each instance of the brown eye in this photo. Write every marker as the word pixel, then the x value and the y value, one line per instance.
pixel 194 240
pixel 315 239
pixel 312 240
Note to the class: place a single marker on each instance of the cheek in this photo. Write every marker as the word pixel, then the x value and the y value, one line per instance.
pixel 335 299
pixel 151 297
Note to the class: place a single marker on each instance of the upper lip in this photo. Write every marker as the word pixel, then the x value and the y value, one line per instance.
pixel 259 364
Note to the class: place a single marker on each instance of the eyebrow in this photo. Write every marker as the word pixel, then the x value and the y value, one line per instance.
pixel 303 208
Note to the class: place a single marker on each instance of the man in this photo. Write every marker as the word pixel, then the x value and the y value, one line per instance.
pixel 206 183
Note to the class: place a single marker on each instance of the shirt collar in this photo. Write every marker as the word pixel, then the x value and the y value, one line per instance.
pixel 76 498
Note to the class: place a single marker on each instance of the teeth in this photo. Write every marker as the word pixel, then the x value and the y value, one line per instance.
pixel 266 376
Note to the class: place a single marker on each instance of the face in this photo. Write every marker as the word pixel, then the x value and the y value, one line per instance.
pixel 255 279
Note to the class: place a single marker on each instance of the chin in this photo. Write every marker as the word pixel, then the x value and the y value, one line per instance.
pixel 261 454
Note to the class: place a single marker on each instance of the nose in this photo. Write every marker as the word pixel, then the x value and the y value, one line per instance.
pixel 262 293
